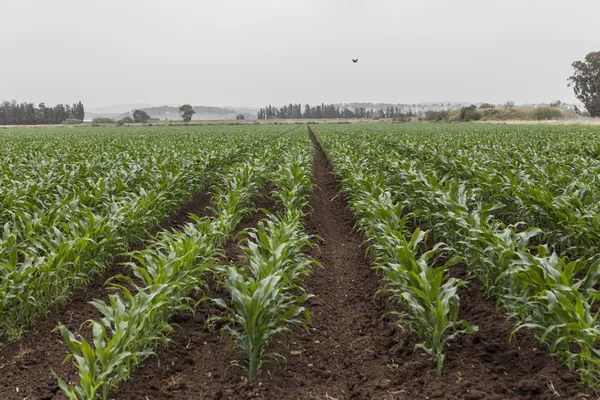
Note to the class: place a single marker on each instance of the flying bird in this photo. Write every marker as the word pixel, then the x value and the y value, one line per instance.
pixel 355 60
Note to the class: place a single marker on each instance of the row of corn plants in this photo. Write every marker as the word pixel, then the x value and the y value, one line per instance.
pixel 415 276
pixel 167 272
pixel 551 295
pixel 267 293
pixel 541 175
pixel 67 214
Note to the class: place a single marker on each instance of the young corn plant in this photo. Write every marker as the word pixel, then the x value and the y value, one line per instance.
pixel 552 296
pixel 259 311
pixel 427 294
pixel 266 294
pixel 168 272
pixel 68 232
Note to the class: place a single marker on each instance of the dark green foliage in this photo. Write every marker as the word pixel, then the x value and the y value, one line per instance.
pixel 240 117
pixel 72 121
pixel 436 116
pixel 13 113
pixel 140 116
pixel 586 82
pixel 103 120
pixel 126 120
pixel 546 113
pixel 294 111
pixel 186 111
pixel 470 114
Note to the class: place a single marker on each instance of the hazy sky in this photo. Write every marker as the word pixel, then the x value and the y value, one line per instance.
pixel 254 52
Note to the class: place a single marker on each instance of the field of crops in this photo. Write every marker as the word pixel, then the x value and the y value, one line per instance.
pixel 278 262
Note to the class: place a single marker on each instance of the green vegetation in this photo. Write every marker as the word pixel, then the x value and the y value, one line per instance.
pixel 463 183
pixel 13 113
pixel 516 207
pixel 140 116
pixel 103 120
pixel 470 113
pixel 186 111
pixel 586 82
pixel 66 214
pixel 546 113
pixel 266 294
pixel 437 116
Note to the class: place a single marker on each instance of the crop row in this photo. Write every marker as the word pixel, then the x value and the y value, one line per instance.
pixel 170 276
pixel 552 296
pixel 267 293
pixel 541 178
pixel 415 274
pixel 66 214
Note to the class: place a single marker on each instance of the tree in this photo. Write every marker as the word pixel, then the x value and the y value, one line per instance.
pixel 509 105
pixel 586 82
pixel 240 117
pixel 186 111
pixel 140 116
pixel 487 105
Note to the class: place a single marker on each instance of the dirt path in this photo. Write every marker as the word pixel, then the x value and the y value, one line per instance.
pixel 26 365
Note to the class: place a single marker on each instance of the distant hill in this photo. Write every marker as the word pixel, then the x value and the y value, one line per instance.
pixel 171 113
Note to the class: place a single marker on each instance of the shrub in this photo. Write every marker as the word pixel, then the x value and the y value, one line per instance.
pixel 436 116
pixel 126 120
pixel 103 120
pixel 546 113
pixel 487 105
pixel 470 114
pixel 72 121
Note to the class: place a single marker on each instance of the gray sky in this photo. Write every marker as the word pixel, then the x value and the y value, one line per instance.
pixel 254 52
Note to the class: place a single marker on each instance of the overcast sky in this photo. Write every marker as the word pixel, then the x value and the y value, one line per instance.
pixel 255 52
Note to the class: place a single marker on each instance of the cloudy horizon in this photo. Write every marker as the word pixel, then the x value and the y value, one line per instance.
pixel 253 53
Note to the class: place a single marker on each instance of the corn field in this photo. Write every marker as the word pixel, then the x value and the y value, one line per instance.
pixel 436 209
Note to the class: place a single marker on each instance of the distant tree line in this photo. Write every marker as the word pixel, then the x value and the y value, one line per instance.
pixel 295 111
pixel 13 113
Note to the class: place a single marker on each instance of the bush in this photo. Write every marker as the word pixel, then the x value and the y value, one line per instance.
pixel 126 120
pixel 487 105
pixel 546 113
pixel 470 114
pixel 436 116
pixel 103 120
pixel 240 117
pixel 72 121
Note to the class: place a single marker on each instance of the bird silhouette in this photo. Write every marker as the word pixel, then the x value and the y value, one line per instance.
pixel 355 60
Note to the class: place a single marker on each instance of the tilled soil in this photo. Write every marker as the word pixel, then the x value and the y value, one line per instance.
pixel 26 365
pixel 352 350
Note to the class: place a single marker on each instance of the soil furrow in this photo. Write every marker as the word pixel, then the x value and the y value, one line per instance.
pixel 26 365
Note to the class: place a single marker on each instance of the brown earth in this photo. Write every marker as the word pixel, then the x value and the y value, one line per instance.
pixel 350 350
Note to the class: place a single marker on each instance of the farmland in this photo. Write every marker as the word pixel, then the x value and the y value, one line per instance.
pixel 367 261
